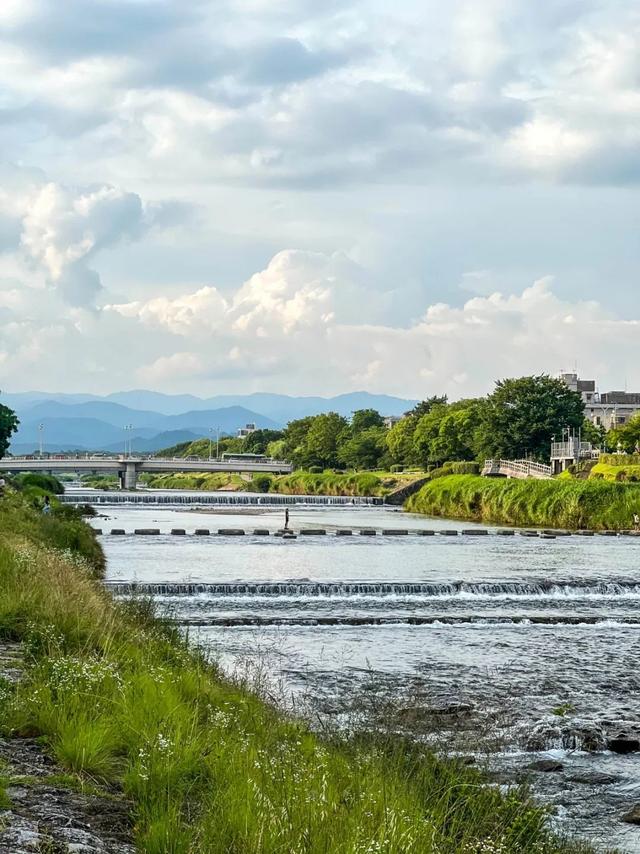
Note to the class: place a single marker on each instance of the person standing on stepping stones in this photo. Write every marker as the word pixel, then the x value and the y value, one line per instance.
pixel 286 519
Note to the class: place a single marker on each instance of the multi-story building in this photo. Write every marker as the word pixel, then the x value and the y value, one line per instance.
pixel 608 409
pixel 245 431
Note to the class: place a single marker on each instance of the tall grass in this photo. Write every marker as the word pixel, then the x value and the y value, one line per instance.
pixel 208 766
pixel 574 504
pixel 298 483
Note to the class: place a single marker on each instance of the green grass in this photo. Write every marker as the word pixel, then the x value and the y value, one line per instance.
pixel 559 503
pixel 208 766
pixel 617 473
pixel 206 481
pixel 298 483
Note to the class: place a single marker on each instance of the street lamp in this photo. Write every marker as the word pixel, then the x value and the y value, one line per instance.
pixel 210 441
pixel 218 444
pixel 40 431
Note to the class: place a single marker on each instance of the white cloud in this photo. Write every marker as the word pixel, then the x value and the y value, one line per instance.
pixel 412 154
pixel 285 323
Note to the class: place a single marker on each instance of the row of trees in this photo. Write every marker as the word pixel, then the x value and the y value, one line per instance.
pixel 518 419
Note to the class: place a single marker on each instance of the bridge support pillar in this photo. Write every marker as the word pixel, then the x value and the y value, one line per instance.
pixel 129 476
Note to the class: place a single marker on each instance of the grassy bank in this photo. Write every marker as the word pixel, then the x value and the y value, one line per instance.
pixel 121 701
pixel 562 503
pixel 299 483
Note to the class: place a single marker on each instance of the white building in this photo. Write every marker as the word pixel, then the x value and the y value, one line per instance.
pixel 245 431
pixel 390 421
pixel 608 409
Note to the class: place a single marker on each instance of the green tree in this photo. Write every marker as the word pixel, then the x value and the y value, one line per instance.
pixel 594 433
pixel 400 442
pixel 425 406
pixel 295 438
pixel 363 419
pixel 8 426
pixel 256 443
pixel 365 449
pixel 448 432
pixel 626 436
pixel 519 418
pixel 323 440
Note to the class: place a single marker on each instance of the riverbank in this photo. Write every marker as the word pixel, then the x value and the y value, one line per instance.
pixel 205 765
pixel 559 503
pixel 354 484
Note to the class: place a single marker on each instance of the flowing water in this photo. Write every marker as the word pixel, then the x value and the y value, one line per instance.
pixel 523 647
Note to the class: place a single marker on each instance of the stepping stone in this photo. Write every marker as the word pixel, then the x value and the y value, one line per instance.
pixel 368 532
pixel 395 532
pixel 147 532
pixel 544 536
pixel 607 533
pixel 475 532
pixel 201 532
pixel 178 532
pixel 528 533
pixel 97 531
pixel 584 533
pixel 425 532
pixel 261 532
pixel 448 532
pixel 313 532
pixel 117 532
pixel 505 532
pixel 343 533
pixel 230 532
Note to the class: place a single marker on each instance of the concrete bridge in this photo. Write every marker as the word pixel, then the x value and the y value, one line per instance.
pixel 516 468
pixel 128 468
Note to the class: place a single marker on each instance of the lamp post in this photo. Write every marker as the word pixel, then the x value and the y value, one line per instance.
pixel 210 441
pixel 218 444
pixel 40 432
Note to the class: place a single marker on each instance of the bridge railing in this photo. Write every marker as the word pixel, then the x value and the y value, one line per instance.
pixel 516 468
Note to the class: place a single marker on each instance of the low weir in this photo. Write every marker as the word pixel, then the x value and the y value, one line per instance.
pixel 297 589
pixel 227 499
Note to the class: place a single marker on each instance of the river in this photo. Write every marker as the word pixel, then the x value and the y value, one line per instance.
pixel 516 649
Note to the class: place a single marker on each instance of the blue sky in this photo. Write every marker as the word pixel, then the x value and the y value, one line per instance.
pixel 304 197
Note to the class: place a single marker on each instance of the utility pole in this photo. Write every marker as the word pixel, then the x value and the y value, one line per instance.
pixel 210 441
pixel 218 444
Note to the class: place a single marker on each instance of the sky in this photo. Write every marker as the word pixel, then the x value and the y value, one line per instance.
pixel 305 197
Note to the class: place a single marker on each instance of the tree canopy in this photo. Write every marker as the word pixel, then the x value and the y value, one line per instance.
pixel 522 415
pixel 8 426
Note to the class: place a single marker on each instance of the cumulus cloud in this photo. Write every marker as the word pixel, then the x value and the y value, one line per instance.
pixel 287 321
pixel 57 231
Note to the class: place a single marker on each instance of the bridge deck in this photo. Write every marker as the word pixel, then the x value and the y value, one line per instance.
pixel 141 464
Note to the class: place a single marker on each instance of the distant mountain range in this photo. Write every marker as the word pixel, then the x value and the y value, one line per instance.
pixel 93 423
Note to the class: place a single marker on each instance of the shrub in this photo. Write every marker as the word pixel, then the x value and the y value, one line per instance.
pixel 45 482
pixel 396 468
pixel 456 467
pixel 315 469
pixel 260 483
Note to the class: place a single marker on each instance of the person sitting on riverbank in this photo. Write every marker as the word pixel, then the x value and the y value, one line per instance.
pixel 636 522
pixel 46 507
